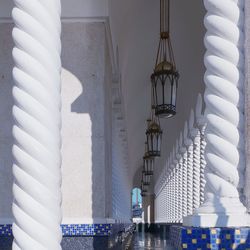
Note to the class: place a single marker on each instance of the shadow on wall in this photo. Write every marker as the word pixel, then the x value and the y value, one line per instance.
pixel 6 122
pixel 83 93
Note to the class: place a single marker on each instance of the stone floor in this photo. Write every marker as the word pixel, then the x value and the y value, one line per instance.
pixel 149 241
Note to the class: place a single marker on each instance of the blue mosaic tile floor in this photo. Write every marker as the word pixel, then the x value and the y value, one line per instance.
pixel 210 238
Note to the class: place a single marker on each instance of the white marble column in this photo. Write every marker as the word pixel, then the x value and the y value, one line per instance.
pixel 201 125
pixel 190 150
pixel 180 182
pixel 224 99
pixel 174 191
pixel 195 137
pixel 37 124
pixel 183 153
pixel 168 192
pixel 174 196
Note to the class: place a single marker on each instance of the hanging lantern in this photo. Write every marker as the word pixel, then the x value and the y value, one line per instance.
pixel 143 188
pixel 145 178
pixel 165 76
pixel 154 137
pixel 148 162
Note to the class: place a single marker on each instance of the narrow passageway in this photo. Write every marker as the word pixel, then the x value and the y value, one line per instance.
pixel 149 241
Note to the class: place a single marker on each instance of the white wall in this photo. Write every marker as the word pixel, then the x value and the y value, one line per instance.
pixel 84 156
pixel 70 8
pixel 83 121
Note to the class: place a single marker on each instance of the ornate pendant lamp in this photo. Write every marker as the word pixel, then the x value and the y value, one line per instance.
pixel 146 178
pixel 165 77
pixel 143 188
pixel 154 136
pixel 148 162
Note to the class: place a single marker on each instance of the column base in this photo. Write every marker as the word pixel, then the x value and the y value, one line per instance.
pixel 217 220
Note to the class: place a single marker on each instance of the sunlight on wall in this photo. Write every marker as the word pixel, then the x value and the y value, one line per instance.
pixel 76 151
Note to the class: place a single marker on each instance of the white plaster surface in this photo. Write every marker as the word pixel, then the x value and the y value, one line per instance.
pixel 83 120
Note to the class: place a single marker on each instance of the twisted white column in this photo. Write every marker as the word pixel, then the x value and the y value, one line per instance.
pixel 201 124
pixel 37 104
pixel 168 192
pixel 172 197
pixel 195 137
pixel 224 80
pixel 190 149
pixel 180 181
pixel 168 183
pixel 183 153
pixel 173 181
pixel 176 185
pixel 176 194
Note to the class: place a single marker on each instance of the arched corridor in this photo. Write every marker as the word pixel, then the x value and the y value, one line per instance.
pixel 124 124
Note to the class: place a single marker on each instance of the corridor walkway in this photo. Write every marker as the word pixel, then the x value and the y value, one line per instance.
pixel 149 241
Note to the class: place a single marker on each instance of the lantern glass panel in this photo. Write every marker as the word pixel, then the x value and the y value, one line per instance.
pixel 154 137
pixel 148 165
pixel 159 141
pixel 155 149
pixel 143 188
pixel 165 89
pixel 146 179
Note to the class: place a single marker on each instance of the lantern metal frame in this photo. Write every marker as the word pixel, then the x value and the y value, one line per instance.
pixel 165 76
pixel 148 163
pixel 146 178
pixel 154 136
pixel 143 188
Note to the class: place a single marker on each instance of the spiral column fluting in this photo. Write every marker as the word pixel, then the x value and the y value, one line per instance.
pixel 183 153
pixel 37 124
pixel 168 192
pixel 180 175
pixel 195 137
pixel 174 196
pixel 170 198
pixel 170 183
pixel 224 78
pixel 202 163
pixel 176 184
pixel 190 149
pixel 201 125
pixel 173 181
